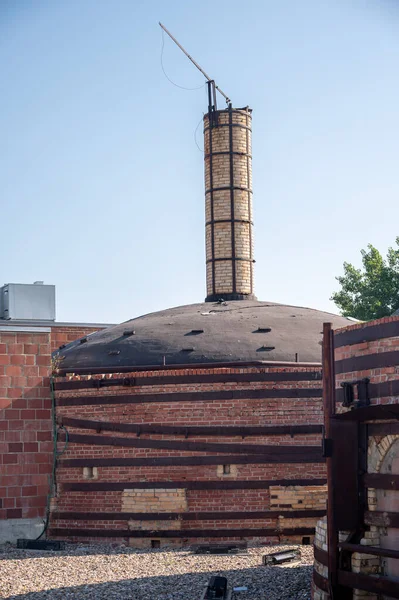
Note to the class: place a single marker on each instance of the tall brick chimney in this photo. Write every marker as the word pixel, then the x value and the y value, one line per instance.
pixel 228 204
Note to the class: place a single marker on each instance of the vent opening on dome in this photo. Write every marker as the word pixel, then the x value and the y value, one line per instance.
pixel 128 332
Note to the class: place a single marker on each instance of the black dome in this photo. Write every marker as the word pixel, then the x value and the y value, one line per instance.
pixel 205 333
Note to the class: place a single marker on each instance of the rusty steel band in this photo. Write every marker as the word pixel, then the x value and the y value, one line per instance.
pixel 381 481
pixel 180 533
pixel 249 209
pixel 116 486
pixel 227 153
pixel 244 394
pixel 137 442
pixel 186 516
pixel 229 258
pixel 228 187
pixel 138 381
pixel 233 243
pixel 212 204
pixel 369 583
pixel 212 430
pixel 228 221
pixel 368 333
pixel 367 361
pixel 321 582
pixel 174 461
pixel 375 390
pixel 239 125
pixel 320 555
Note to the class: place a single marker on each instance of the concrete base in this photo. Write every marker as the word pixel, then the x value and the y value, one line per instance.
pixel 12 529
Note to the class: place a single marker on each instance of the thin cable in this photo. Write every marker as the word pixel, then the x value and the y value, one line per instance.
pixel 168 78
pixel 195 136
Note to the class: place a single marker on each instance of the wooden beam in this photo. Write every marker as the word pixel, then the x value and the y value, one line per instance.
pixel 247 394
pixel 208 430
pixel 107 486
pixel 274 450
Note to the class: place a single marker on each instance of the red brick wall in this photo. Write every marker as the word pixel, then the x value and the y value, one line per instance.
pixel 250 411
pixel 25 417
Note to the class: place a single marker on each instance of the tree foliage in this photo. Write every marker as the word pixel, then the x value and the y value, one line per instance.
pixel 373 291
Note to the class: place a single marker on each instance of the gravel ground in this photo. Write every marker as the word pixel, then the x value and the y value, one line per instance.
pixel 88 572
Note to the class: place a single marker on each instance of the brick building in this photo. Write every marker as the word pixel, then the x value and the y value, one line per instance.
pixel 26 446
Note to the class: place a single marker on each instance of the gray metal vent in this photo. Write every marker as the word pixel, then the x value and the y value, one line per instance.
pixel 27 302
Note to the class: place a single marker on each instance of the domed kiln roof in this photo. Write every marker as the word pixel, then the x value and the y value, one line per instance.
pixel 205 333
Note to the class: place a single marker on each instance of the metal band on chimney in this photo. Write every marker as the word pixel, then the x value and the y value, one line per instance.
pixel 228 204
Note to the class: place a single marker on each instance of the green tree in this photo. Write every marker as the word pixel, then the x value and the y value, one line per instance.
pixel 373 291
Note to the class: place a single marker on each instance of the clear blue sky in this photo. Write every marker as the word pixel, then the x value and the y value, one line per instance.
pixel 101 182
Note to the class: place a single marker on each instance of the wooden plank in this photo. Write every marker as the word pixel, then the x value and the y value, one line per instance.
pixel 321 582
pixel 381 519
pixel 373 550
pixel 320 555
pixel 227 377
pixel 232 459
pixel 367 361
pixel 187 516
pixel 369 583
pixel 107 440
pixel 107 486
pixel 246 394
pixel 181 533
pixel 213 430
pixel 381 481
pixel 366 333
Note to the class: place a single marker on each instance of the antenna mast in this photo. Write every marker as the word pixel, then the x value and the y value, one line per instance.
pixel 211 82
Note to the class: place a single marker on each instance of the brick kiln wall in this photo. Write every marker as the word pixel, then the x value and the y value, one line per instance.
pixel 366 350
pixel 177 480
pixel 26 446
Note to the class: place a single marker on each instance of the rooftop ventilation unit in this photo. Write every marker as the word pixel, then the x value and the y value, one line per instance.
pixel 27 302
